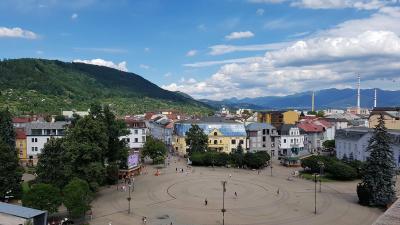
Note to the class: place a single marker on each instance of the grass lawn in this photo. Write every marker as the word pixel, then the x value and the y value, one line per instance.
pixel 25 187
pixel 309 176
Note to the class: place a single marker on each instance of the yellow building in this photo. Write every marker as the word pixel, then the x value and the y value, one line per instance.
pixel 223 135
pixel 20 145
pixel 278 118
pixel 391 116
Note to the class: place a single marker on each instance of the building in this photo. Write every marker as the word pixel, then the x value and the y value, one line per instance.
pixel 339 123
pixel 291 142
pixel 328 112
pixel 20 122
pixel 391 116
pixel 262 137
pixel 278 118
pixel 161 128
pixel 358 111
pixel 223 135
pixel 70 114
pixel 14 214
pixel 20 144
pixel 353 142
pixel 39 133
pixel 137 136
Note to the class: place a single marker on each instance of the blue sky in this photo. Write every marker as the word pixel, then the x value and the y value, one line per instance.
pixel 216 48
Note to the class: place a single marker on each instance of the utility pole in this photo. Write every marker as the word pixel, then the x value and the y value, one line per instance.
pixel 315 194
pixel 223 210
pixel 129 200
pixel 321 171
pixel 271 167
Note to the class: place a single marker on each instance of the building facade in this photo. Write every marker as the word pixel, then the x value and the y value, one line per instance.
pixel 262 137
pixel 278 118
pixel 137 136
pixel 391 116
pixel 39 133
pixel 223 135
pixel 20 144
pixel 352 143
pixel 291 142
pixel 161 128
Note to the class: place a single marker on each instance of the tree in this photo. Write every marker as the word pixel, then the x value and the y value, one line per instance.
pixel 237 156
pixel 43 197
pixel 51 167
pixel 379 170
pixel 329 144
pixel 320 113
pixel 155 149
pixel 10 171
pixel 7 132
pixel 77 197
pixel 196 139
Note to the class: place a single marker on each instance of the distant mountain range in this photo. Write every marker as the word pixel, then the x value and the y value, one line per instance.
pixel 328 98
pixel 48 86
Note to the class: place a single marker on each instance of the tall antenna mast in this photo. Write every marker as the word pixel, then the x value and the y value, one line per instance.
pixel 358 94
pixel 312 101
pixel 375 99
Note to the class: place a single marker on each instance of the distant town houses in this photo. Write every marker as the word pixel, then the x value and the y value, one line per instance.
pixel 278 118
pixel 137 136
pixel 391 117
pixel 223 135
pixel 262 137
pixel 291 141
pixel 316 131
pixel 352 143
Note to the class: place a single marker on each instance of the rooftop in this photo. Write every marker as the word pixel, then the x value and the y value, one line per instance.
pixel 46 125
pixel 259 126
pixel 19 211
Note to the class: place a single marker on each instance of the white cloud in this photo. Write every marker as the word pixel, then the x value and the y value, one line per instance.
pixel 144 66
pixel 168 74
pixel 329 58
pixel 101 62
pixel 260 12
pixel 17 32
pixel 146 50
pixel 191 53
pixel 333 4
pixel 239 35
pixel 39 52
pixel 74 16
pixel 224 49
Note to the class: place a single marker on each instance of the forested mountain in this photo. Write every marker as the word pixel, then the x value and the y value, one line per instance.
pixel 328 98
pixel 49 86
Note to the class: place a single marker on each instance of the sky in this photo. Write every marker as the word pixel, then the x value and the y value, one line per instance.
pixel 216 49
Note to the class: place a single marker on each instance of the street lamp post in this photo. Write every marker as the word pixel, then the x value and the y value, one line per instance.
pixel 129 200
pixel 223 210
pixel 271 167
pixel 321 171
pixel 315 193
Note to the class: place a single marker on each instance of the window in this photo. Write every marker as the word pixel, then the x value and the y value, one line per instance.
pixel 284 140
pixel 241 142
pixel 143 131
pixel 267 131
pixel 36 148
pixel 33 140
pixel 136 140
pixel 215 142
pixel 136 131
pixel 220 141
pixel 263 131
pixel 143 138
pixel 264 139
pixel 33 149
pixel 127 140
pixel 215 134
pixel 233 141
pixel 263 145
pixel 291 140
pixel 48 139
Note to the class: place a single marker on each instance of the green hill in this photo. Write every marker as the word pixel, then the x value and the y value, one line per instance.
pixel 48 86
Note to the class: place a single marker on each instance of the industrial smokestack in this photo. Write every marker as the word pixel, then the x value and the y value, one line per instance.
pixel 358 95
pixel 312 102
pixel 375 99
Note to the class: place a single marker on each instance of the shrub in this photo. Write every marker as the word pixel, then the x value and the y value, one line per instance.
pixel 254 160
pixel 341 171
pixel 197 159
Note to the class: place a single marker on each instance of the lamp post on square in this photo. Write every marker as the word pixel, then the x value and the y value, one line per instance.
pixel 223 210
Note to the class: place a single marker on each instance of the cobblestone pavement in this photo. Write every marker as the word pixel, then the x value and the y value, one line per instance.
pixel 179 198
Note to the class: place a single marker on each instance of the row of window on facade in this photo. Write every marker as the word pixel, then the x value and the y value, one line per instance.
pixel 136 140
pixel 39 132
pixel 295 140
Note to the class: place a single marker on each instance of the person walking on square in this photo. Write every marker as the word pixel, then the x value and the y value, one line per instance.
pixel 205 202
pixel 235 194
pixel 277 192
pixel 230 175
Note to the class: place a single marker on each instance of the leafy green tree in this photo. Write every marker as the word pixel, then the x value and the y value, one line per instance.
pixel 51 167
pixel 196 139
pixel 85 146
pixel 329 144
pixel 379 171
pixel 7 132
pixel 59 118
pixel 77 197
pixel 43 197
pixel 155 149
pixel 253 160
pixel 320 113
pixel 237 156
pixel 10 171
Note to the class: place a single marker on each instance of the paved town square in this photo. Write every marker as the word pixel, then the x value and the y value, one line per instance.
pixel 179 198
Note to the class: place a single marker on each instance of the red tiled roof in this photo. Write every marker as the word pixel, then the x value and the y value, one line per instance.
pixel 20 134
pixel 148 115
pixel 21 120
pixel 169 125
pixel 309 127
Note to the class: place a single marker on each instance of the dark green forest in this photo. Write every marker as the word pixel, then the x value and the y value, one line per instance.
pixel 30 86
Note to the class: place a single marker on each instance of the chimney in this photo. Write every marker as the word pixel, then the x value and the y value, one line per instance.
pixel 358 95
pixel 375 99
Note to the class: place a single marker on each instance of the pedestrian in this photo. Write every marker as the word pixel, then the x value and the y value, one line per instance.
pixel 277 192
pixel 230 175
pixel 176 169
pixel 235 194
pixel 205 202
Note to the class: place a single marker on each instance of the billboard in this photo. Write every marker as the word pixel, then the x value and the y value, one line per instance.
pixel 133 160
